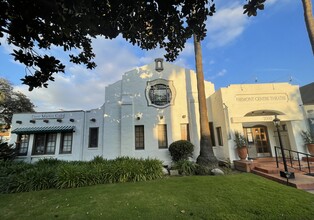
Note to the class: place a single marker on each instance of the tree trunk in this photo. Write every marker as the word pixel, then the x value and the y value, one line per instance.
pixel 206 156
pixel 309 20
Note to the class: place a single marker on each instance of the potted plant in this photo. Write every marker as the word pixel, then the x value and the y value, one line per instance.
pixel 308 140
pixel 241 145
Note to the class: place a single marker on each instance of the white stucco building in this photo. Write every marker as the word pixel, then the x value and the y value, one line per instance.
pixel 155 105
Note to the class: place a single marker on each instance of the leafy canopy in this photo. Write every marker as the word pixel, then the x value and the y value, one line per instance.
pixel 12 102
pixel 33 27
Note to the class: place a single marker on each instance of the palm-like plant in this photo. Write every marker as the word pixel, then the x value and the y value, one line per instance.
pixel 240 140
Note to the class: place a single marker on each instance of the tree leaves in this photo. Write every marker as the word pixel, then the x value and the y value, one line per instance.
pixel 252 6
pixel 34 26
pixel 12 102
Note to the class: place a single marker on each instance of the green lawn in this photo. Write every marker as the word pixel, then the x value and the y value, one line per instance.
pixel 240 196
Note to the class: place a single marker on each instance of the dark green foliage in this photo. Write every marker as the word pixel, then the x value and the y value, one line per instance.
pixel 202 170
pixel 252 6
pixel 48 162
pixel 12 102
pixel 98 159
pixel 186 167
pixel 52 173
pixel 7 152
pixel 181 150
pixel 34 27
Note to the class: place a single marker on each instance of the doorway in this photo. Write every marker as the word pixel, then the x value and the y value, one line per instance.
pixel 258 141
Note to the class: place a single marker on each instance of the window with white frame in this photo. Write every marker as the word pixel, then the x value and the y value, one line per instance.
pixel 139 137
pixel 162 136
pixel 66 143
pixel 185 132
pixel 93 137
pixel 44 143
pixel 22 144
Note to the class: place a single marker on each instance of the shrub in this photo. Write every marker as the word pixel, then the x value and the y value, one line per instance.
pixel 98 159
pixel 7 152
pixel 181 150
pixel 52 173
pixel 49 162
pixel 185 167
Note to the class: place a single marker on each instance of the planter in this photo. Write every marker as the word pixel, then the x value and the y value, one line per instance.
pixel 310 148
pixel 242 152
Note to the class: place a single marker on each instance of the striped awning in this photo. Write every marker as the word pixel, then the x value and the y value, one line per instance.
pixel 47 129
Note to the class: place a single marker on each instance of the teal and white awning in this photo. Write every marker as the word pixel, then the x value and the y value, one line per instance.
pixel 46 129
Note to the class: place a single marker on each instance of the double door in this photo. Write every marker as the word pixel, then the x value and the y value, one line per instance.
pixel 257 138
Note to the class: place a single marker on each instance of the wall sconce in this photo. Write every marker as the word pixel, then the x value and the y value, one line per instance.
pixel 59 120
pixel 183 116
pixel 93 119
pixel 32 121
pixel 46 120
pixel 71 120
pixel 138 116
pixel 161 117
pixel 19 122
pixel 159 64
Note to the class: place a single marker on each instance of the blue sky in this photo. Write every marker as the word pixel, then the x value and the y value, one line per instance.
pixel 272 47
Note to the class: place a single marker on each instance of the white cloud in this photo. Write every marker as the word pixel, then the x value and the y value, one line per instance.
pixel 225 26
pixel 221 73
pixel 81 88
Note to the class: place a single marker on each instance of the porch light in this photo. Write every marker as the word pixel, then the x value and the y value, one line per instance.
pixel 286 173
pixel 276 121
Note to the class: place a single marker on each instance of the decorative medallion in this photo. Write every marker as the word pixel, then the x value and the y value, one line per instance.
pixel 160 93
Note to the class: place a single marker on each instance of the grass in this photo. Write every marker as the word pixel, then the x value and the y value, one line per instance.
pixel 240 196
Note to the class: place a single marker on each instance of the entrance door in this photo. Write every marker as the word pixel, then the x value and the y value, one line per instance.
pixel 258 140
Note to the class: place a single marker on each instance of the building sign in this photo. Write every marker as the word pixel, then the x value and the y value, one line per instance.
pixel 262 98
pixel 48 116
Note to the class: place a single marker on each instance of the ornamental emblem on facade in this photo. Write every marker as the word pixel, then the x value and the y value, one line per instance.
pixel 160 93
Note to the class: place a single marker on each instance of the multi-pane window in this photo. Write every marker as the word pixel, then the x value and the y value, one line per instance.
pixel 22 144
pixel 93 137
pixel 160 94
pixel 139 137
pixel 212 135
pixel 162 136
pixel 185 132
pixel 219 135
pixel 66 143
pixel 45 143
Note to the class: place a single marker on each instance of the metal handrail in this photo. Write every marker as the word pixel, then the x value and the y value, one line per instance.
pixel 291 159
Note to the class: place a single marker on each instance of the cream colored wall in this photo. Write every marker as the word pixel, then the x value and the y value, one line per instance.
pixel 281 98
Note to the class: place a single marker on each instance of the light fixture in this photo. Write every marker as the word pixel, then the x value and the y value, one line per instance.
pixel 159 64
pixel 71 120
pixel 59 120
pixel 32 121
pixel 276 121
pixel 93 119
pixel 286 173
pixel 19 122
pixel 46 120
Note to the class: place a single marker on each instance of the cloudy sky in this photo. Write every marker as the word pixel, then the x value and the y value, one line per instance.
pixel 272 47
